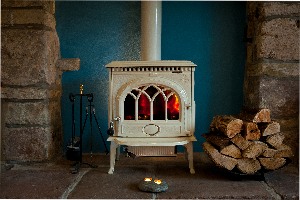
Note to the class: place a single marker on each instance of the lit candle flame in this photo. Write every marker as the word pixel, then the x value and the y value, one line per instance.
pixel 147 179
pixel 157 181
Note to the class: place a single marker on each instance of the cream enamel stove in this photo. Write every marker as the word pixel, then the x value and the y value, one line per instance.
pixel 151 105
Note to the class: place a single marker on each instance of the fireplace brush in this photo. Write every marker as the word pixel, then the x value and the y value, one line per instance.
pixel 73 151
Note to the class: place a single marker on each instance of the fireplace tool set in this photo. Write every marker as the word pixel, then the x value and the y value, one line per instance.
pixel 74 150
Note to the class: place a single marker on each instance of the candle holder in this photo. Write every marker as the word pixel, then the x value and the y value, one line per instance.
pixel 149 184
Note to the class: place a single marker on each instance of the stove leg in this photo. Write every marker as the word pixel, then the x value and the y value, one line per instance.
pixel 190 155
pixel 118 153
pixel 113 152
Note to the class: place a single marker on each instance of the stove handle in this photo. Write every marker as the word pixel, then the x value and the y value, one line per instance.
pixel 111 130
pixel 117 119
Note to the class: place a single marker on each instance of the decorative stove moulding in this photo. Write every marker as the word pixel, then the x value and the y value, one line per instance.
pixel 151 101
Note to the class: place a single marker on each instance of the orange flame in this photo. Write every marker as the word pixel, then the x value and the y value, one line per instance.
pixel 147 179
pixel 157 181
pixel 174 106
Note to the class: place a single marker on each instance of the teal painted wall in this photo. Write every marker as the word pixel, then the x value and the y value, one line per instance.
pixel 208 33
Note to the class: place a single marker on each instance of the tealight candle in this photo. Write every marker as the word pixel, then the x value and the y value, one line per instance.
pixel 150 184
pixel 148 179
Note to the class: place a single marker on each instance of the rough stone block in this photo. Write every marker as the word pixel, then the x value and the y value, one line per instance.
pixel 251 92
pixel 52 50
pixel 28 57
pixel 252 7
pixel 273 69
pixel 23 93
pixel 249 58
pixel 30 93
pixel 288 124
pixel 291 137
pixel 34 113
pixel 280 9
pixel 279 39
pixel 251 28
pixel 27 17
pixel 26 144
pixel 54 109
pixel 70 64
pixel 41 113
pixel 280 95
pixel 280 27
pixel 48 5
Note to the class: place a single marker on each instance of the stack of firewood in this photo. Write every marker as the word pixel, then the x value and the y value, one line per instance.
pixel 248 143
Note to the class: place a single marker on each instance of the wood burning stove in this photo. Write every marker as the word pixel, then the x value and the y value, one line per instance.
pixel 151 104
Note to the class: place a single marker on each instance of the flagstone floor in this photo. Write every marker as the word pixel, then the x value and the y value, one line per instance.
pixel 54 180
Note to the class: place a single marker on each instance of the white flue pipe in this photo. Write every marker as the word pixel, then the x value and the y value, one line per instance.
pixel 151 30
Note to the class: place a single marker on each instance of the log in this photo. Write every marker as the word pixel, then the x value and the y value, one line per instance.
pixel 283 151
pixel 248 165
pixel 275 140
pixel 228 125
pixel 241 142
pixel 251 131
pixel 269 152
pixel 218 140
pixel 272 163
pixel 231 151
pixel 254 150
pixel 250 145
pixel 269 128
pixel 219 159
pixel 263 115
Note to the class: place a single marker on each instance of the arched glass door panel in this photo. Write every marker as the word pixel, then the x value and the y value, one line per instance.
pixel 129 109
pixel 151 102
pixel 143 107
pixel 159 108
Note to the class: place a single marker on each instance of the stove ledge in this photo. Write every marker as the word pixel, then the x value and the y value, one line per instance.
pixel 142 141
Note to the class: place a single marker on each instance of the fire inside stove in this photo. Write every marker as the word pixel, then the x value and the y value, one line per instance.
pixel 163 101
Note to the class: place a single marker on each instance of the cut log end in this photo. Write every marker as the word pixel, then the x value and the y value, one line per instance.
pixel 217 139
pixel 248 165
pixel 256 116
pixel 251 131
pixel 272 163
pixel 219 159
pixel 232 151
pixel 269 128
pixel 264 115
pixel 241 142
pixel 254 150
pixel 228 125
pixel 275 140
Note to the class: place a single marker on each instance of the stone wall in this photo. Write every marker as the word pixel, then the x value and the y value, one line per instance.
pixel 31 128
pixel 272 66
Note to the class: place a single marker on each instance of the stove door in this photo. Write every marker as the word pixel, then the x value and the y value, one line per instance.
pixel 152 110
